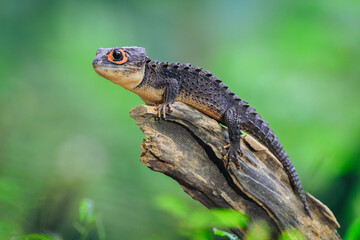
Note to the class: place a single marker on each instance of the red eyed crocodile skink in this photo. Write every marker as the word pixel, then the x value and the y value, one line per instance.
pixel 162 83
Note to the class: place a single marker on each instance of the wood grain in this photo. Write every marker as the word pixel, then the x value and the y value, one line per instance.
pixel 188 147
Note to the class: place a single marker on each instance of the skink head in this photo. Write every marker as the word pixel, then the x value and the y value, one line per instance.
pixel 122 65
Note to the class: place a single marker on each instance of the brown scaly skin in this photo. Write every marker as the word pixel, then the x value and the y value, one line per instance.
pixel 162 83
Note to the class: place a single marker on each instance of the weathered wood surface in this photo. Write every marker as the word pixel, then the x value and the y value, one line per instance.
pixel 188 147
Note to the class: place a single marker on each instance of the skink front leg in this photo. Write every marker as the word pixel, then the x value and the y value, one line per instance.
pixel 171 91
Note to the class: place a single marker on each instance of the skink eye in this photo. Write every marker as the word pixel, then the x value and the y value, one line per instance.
pixel 117 56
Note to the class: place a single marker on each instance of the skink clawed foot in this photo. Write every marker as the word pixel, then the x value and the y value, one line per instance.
pixel 233 155
pixel 162 109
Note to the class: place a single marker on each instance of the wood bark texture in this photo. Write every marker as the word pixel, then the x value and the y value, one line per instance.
pixel 189 147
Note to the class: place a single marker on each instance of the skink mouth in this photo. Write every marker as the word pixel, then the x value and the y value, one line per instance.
pixel 116 68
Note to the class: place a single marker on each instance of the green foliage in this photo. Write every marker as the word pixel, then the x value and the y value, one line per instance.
pixel 8 228
pixel 89 220
pixel 195 223
pixel 291 234
pixel 11 201
pixel 353 233
pixel 256 231
pixel 222 233
pixel 229 218
pixel 34 237
pixel 9 192
pixel 86 211
pixel 65 131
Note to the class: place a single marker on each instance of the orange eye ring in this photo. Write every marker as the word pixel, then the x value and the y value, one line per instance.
pixel 120 61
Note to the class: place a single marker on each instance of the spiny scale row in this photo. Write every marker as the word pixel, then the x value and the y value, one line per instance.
pixel 199 70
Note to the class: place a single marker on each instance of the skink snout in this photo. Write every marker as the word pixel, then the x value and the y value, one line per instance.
pixel 99 50
pixel 100 53
pixel 96 61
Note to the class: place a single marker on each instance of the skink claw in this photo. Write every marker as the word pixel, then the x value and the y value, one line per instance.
pixel 233 155
pixel 162 109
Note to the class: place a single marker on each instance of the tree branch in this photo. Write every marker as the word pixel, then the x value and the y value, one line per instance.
pixel 188 147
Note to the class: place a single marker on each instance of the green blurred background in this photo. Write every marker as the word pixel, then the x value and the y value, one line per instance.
pixel 65 133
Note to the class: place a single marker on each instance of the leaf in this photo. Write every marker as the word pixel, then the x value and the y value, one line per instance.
pixel 221 233
pixel 86 211
pixel 230 218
